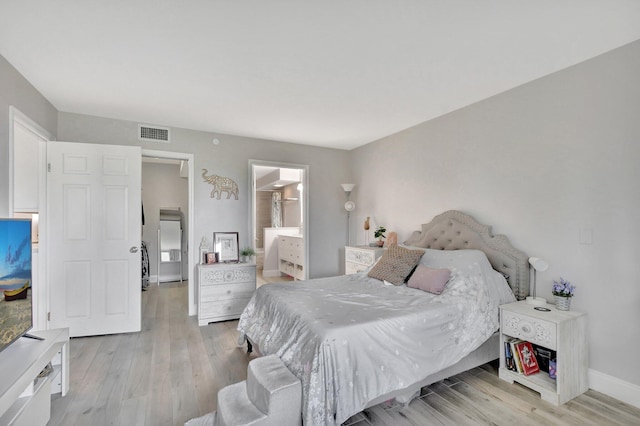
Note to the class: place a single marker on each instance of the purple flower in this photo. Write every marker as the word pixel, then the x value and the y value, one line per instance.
pixel 563 288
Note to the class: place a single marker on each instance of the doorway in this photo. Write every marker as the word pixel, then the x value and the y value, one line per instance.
pixel 182 163
pixel 278 206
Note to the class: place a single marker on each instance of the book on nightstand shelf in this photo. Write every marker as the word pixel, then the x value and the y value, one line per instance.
pixel 543 356
pixel 509 362
pixel 513 353
pixel 527 358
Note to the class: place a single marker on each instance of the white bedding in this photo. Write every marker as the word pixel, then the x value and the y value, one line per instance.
pixel 353 338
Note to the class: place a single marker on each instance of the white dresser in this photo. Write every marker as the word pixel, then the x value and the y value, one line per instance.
pixel 224 289
pixel 359 258
pixel 291 255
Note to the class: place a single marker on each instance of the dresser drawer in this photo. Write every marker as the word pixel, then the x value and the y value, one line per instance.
pixel 363 257
pixel 226 291
pixel 295 258
pixel 534 330
pixel 284 252
pixel 359 258
pixel 222 275
pixel 222 308
pixel 294 243
pixel 354 268
pixel 291 249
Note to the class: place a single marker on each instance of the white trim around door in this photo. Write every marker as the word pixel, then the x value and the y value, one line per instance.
pixel 193 254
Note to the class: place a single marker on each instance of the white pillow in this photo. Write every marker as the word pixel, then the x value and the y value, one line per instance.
pixel 497 285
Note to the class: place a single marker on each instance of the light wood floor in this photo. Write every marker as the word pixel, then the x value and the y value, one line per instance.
pixel 172 370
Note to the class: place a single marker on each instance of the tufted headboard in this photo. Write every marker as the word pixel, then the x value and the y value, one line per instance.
pixel 454 230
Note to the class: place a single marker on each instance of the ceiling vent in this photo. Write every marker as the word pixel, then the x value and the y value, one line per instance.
pixel 153 133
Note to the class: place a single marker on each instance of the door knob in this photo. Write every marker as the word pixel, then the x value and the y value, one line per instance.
pixel 133 249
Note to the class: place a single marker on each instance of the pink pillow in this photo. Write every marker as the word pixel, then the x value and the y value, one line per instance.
pixel 429 279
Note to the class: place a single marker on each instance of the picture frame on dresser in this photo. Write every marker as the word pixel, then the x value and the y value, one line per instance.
pixel 227 246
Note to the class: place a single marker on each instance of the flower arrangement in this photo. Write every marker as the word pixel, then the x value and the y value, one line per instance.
pixel 563 288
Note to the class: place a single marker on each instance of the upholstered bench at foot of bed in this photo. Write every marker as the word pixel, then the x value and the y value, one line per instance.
pixel 271 395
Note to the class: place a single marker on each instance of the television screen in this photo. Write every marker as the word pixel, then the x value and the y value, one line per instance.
pixel 15 279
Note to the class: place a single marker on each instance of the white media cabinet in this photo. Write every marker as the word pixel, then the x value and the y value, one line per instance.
pixel 25 399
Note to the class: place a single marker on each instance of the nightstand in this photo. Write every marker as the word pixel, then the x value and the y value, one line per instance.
pixel 359 258
pixel 564 332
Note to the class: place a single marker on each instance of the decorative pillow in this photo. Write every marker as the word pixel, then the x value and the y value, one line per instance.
pixel 429 279
pixel 395 264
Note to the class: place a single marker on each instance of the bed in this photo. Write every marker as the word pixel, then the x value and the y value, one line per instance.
pixel 355 341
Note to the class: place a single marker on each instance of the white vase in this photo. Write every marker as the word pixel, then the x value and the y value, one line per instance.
pixel 563 303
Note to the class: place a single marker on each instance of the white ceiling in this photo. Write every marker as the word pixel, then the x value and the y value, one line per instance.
pixel 335 73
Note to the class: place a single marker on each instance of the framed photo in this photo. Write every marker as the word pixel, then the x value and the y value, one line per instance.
pixel 226 245
pixel 211 258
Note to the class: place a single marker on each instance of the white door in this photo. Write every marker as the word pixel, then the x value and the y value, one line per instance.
pixel 94 230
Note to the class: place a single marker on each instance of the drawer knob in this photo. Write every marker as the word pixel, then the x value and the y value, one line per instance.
pixel 527 329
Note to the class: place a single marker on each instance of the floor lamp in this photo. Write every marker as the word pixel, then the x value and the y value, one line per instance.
pixel 349 206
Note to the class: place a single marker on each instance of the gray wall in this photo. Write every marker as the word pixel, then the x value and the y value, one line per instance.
pixel 15 90
pixel 542 163
pixel 328 168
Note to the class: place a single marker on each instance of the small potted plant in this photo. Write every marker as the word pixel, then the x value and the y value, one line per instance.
pixel 563 291
pixel 379 234
pixel 246 254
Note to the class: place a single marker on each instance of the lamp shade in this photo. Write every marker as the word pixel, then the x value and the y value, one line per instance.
pixel 348 187
pixel 539 264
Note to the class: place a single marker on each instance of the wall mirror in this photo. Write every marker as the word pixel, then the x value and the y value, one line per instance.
pixel 170 245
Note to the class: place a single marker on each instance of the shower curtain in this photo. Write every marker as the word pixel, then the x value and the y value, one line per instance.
pixel 276 209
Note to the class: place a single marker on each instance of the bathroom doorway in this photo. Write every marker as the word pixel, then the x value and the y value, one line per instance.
pixel 279 207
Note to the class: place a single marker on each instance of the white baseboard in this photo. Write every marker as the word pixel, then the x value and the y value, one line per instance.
pixel 170 278
pixel 153 278
pixel 271 273
pixel 614 387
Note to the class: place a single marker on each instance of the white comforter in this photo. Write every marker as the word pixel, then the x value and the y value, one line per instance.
pixel 352 338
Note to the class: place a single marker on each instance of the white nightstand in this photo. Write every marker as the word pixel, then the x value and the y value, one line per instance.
pixel 359 258
pixel 564 332
pixel 224 290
